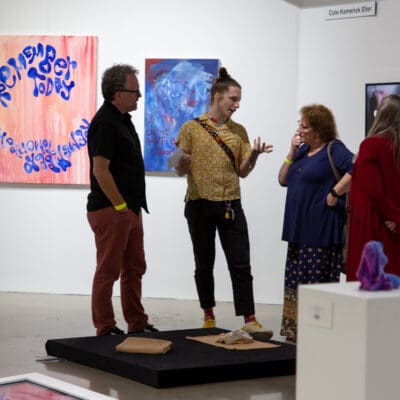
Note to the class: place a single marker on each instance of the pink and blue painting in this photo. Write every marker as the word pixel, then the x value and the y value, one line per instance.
pixel 47 98
pixel 176 90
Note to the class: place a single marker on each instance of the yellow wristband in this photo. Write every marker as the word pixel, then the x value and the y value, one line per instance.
pixel 288 162
pixel 121 206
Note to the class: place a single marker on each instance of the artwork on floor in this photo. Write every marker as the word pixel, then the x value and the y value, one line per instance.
pixel 176 90
pixel 43 387
pixel 47 98
pixel 374 93
pixel 206 363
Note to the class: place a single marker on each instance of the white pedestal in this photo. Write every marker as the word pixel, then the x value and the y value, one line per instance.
pixel 348 344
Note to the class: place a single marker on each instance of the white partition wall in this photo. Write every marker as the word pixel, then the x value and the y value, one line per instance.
pixel 284 57
pixel 45 242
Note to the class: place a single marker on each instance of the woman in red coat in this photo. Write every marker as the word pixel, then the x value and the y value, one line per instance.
pixel 375 190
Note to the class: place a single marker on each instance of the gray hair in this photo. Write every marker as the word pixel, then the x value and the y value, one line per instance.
pixel 114 79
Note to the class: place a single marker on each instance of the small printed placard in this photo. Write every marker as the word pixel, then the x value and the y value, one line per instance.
pixel 365 9
pixel 319 314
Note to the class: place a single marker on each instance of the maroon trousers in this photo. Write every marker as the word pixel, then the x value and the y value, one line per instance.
pixel 120 254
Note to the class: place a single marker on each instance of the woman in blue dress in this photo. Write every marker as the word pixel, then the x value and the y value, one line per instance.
pixel 314 209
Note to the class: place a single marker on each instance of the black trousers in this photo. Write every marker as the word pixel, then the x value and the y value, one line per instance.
pixel 204 219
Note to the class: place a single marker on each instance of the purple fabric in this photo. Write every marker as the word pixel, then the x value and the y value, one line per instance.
pixel 371 269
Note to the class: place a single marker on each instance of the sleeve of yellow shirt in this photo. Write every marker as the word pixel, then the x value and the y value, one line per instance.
pixel 245 144
pixel 184 140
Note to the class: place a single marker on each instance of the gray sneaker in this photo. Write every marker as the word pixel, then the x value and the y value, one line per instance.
pixel 254 327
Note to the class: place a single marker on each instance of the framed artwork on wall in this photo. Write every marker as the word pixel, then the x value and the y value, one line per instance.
pixel 176 90
pixel 374 93
pixel 47 98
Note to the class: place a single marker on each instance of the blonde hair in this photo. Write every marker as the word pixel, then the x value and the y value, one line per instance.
pixel 387 121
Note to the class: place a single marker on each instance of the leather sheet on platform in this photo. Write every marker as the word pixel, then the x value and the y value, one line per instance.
pixel 144 345
pixel 212 340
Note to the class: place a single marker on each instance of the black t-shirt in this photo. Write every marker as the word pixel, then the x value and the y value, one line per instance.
pixel 113 136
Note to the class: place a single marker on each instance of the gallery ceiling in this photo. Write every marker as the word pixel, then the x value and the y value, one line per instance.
pixel 321 3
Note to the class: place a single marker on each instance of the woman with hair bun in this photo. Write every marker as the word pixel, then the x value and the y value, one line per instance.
pixel 216 153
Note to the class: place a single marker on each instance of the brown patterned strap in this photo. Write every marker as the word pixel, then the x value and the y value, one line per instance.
pixel 219 140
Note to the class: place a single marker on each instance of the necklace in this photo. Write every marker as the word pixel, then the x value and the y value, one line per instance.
pixel 215 120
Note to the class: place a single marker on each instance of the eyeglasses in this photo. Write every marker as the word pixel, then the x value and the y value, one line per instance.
pixel 303 127
pixel 129 91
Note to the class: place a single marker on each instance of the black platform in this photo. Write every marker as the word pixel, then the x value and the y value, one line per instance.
pixel 188 362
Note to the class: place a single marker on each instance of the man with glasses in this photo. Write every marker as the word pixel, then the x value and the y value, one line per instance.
pixel 117 195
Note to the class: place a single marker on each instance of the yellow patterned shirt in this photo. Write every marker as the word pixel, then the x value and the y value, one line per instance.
pixel 212 176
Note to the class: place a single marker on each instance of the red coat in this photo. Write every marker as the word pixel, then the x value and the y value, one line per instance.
pixel 374 199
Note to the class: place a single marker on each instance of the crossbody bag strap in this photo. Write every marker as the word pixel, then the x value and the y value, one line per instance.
pixel 219 140
pixel 334 169
pixel 346 211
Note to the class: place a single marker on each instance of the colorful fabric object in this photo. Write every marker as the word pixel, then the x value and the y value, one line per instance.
pixel 371 269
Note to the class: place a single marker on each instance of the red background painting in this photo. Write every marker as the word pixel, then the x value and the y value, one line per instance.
pixel 47 99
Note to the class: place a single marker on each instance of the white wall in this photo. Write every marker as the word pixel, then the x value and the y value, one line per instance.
pixel 45 242
pixel 337 58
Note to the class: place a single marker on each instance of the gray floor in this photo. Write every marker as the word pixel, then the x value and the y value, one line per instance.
pixel 28 320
